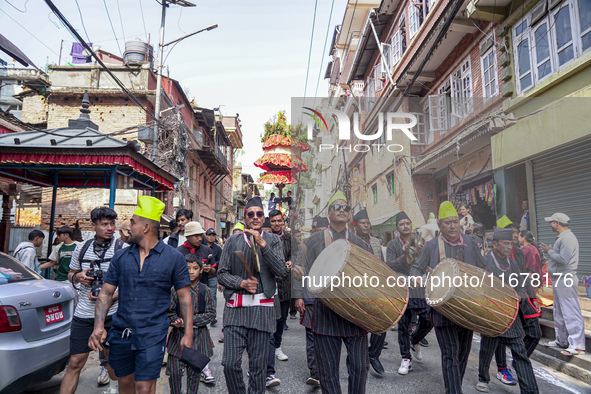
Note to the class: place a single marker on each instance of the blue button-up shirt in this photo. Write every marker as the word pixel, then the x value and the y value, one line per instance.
pixel 144 295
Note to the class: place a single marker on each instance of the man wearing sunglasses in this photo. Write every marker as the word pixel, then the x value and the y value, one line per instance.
pixel 249 316
pixel 330 329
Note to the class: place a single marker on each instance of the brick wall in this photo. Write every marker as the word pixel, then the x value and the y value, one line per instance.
pixel 110 113
pixel 74 204
pixel 35 110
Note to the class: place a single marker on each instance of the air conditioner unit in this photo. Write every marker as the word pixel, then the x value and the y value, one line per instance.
pixel 538 12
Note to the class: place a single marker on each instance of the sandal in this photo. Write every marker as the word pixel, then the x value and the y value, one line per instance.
pixel 572 352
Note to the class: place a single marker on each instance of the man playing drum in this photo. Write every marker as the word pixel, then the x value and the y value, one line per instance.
pixel 454 341
pixel 363 231
pixel 396 259
pixel 500 263
pixel 249 288
pixel 330 329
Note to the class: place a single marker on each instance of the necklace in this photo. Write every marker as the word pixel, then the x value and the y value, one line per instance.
pixel 499 265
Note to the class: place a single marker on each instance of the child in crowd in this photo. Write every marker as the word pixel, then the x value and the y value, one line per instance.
pixel 203 314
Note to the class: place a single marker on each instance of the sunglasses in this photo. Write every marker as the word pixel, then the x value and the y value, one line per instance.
pixel 336 207
pixel 259 214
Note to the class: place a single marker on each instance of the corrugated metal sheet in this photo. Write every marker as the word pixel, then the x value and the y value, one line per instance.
pixel 18 235
pixel 562 183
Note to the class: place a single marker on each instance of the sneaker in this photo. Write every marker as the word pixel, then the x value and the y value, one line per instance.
pixel 311 381
pixel 294 316
pixel 206 376
pixel 417 353
pixel 424 342
pixel 482 387
pixel 376 365
pixel 280 355
pixel 554 343
pixel 272 381
pixel 285 326
pixel 103 377
pixel 405 366
pixel 505 376
pixel 385 345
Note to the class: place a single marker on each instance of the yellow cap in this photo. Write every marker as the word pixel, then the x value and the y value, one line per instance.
pixel 447 210
pixel 503 222
pixel 149 208
pixel 337 196
pixel 239 226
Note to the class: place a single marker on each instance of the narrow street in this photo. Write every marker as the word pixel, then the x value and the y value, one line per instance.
pixel 425 377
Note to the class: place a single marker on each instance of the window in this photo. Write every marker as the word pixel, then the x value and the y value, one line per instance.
pixel 553 40
pixel 210 192
pixel 390 181
pixel 396 45
pixel 461 92
pixel 387 66
pixel 379 77
pixel 374 190
pixel 204 188
pixel 421 130
pixel 414 19
pixel 488 62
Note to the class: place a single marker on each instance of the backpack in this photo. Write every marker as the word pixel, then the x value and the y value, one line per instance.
pixel 118 245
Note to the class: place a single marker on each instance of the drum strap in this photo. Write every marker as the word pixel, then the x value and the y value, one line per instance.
pixel 441 248
pixel 327 238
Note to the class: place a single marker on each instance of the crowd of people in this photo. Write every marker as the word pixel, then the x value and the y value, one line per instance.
pixel 157 298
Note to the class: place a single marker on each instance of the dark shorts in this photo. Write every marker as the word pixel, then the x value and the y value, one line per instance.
pixel 125 359
pixel 80 332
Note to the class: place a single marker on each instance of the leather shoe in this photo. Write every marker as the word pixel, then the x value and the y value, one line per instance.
pixel 377 365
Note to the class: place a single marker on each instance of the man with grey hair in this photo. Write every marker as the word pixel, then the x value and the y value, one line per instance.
pixel 562 266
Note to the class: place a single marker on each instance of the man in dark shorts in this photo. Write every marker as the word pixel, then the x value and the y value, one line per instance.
pixel 93 254
pixel 144 274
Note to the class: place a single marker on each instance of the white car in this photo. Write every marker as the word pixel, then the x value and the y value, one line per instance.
pixel 35 318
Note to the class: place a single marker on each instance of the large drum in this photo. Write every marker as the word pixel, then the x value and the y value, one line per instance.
pixel 358 286
pixel 475 299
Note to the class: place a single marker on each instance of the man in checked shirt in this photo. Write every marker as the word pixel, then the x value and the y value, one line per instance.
pixel 249 315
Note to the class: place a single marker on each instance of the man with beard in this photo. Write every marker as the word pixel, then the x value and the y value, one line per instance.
pixel 330 329
pixel 90 257
pixel 397 260
pixel 249 290
pixel 363 231
pixel 283 292
pixel 499 263
pixel 144 274
pixel 454 341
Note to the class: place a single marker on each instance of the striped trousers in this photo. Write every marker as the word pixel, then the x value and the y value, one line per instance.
pixel 455 343
pixel 525 373
pixel 328 356
pixel 174 370
pixel 256 343
pixel 404 336
pixel 376 345
pixel 533 334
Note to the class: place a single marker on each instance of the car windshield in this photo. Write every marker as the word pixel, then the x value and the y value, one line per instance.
pixel 12 271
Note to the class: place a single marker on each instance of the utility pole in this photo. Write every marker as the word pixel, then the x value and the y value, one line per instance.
pixel 182 3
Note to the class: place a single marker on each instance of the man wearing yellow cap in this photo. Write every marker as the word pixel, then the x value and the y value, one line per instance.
pixel 454 341
pixel 144 274
pixel 330 329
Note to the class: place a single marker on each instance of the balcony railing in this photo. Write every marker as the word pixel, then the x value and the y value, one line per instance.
pixel 216 151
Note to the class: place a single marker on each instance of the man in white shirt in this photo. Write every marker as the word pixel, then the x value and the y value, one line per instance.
pixel 25 252
pixel 564 260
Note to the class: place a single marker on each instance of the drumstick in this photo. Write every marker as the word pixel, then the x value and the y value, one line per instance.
pixel 255 255
pixel 243 259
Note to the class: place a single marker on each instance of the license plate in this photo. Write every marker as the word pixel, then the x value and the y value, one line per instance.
pixel 53 314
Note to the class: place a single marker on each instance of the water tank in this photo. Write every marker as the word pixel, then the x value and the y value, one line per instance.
pixel 138 52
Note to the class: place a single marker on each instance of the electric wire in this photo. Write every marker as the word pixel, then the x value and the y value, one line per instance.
pixel 143 20
pixel 99 61
pixel 323 53
pixel 21 11
pixel 112 28
pixel 120 19
pixel 311 44
pixel 82 20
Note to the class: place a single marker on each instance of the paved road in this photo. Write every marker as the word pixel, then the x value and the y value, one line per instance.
pixel 425 378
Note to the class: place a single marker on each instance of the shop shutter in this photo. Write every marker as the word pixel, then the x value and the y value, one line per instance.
pixel 562 183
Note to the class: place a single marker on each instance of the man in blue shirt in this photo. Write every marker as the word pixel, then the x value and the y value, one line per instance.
pixel 144 274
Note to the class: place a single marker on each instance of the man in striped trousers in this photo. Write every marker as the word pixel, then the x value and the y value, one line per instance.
pixel 454 341
pixel 499 263
pixel 249 288
pixel 330 329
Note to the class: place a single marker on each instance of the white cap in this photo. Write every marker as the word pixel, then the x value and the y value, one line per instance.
pixel 193 228
pixel 558 217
